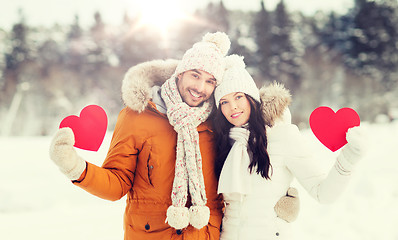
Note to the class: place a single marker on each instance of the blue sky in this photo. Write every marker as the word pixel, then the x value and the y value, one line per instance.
pixel 48 12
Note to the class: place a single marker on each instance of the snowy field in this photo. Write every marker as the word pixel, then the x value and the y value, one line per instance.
pixel 38 202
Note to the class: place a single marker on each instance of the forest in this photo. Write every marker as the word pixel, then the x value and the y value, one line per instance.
pixel 326 59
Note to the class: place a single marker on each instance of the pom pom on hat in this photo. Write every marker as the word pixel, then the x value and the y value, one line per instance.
pixel 220 39
pixel 234 61
pixel 236 79
pixel 207 55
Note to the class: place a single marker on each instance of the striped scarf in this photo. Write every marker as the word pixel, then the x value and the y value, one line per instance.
pixel 188 165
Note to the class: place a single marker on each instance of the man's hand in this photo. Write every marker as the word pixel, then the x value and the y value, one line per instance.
pixel 64 155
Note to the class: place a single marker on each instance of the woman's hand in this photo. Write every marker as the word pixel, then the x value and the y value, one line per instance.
pixel 288 207
pixel 357 145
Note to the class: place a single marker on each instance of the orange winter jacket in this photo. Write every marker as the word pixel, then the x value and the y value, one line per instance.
pixel 140 163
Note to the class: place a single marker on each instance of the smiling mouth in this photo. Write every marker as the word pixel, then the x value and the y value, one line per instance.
pixel 195 95
pixel 236 115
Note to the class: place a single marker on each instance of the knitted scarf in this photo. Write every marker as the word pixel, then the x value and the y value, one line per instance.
pixel 235 175
pixel 188 165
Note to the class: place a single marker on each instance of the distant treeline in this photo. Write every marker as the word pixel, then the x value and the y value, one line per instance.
pixel 338 60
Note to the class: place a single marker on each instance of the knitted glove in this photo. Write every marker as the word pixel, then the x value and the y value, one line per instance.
pixel 287 208
pixel 356 145
pixel 64 155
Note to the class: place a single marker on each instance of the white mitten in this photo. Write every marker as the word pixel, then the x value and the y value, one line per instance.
pixel 357 144
pixel 64 155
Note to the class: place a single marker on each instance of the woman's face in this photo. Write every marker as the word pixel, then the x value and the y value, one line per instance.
pixel 236 108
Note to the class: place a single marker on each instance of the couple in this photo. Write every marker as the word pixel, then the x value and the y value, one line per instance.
pixel 173 152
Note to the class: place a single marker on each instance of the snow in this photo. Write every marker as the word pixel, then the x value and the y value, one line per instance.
pixel 38 202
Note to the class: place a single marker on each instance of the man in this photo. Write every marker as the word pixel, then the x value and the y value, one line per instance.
pixel 161 154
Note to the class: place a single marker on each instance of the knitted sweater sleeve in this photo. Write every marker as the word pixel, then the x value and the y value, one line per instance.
pixel 323 184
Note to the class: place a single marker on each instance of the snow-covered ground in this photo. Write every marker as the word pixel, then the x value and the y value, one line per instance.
pixel 38 202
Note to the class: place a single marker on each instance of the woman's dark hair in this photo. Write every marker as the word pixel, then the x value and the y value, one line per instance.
pixel 257 143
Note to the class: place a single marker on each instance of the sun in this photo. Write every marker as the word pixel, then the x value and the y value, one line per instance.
pixel 159 13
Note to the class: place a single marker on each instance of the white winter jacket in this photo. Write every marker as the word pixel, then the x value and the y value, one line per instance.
pixel 251 216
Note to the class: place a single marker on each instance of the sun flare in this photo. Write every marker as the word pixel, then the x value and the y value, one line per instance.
pixel 159 13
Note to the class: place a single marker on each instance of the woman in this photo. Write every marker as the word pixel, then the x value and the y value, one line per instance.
pixel 260 152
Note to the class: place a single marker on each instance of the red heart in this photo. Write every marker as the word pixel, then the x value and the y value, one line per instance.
pixel 330 128
pixel 89 129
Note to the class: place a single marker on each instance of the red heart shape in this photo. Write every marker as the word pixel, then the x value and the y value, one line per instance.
pixel 330 128
pixel 89 129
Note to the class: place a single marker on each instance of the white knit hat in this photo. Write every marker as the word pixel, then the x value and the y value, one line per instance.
pixel 207 55
pixel 236 79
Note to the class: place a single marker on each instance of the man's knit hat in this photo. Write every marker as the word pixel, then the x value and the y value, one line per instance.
pixel 236 79
pixel 207 55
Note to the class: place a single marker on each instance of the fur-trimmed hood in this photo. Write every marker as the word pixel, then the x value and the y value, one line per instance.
pixel 275 99
pixel 139 80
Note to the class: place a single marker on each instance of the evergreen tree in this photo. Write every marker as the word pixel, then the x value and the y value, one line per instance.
pixel 97 52
pixel 76 31
pixel 75 57
pixel 217 17
pixel 213 18
pixel 262 30
pixel 16 58
pixel 241 49
pixel 137 42
pixel 98 28
pixel 19 46
pixel 374 41
pixel 373 56
pixel 49 56
pixel 125 41
pixel 322 71
pixel 327 32
pixel 332 32
pixel 285 57
pixel 191 30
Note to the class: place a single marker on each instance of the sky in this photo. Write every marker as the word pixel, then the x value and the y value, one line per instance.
pixel 49 12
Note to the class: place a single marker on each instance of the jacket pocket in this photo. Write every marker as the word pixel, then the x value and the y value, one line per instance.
pixel 150 167
pixel 148 223
pixel 146 165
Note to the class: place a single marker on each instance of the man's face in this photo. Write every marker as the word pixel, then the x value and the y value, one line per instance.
pixel 195 86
